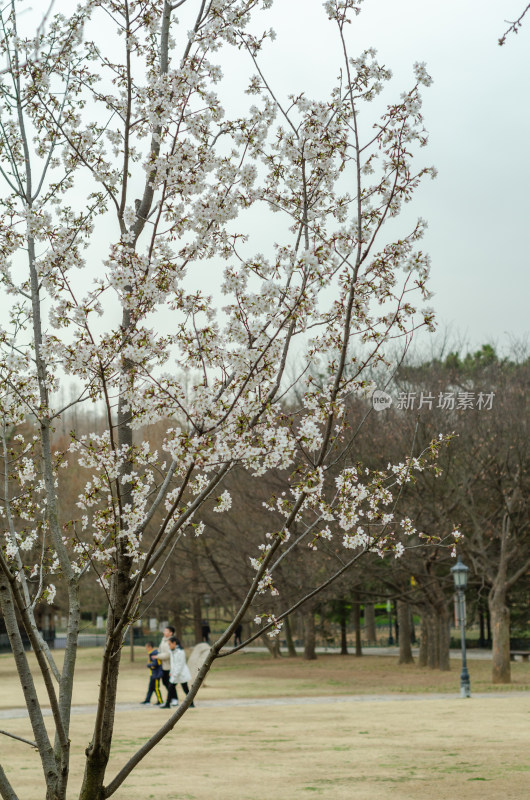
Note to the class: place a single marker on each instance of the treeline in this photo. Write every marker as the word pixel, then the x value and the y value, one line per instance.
pixel 480 485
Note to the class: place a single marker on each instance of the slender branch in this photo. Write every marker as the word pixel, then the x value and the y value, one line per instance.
pixel 514 26
pixel 20 739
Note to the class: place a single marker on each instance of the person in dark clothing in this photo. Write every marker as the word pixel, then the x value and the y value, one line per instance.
pixel 155 677
pixel 205 631
pixel 237 635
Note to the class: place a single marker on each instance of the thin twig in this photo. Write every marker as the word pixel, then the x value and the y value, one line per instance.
pixel 20 739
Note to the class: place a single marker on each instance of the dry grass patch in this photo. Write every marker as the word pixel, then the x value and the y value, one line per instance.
pixel 473 749
pixel 437 749
pixel 254 675
pixel 258 675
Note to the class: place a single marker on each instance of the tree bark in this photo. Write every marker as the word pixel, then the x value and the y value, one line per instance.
pixel 444 638
pixel 424 641
pixel 500 628
pixel 405 650
pixel 343 637
pixel 482 627
pixel 309 636
pixel 357 623
pixel 177 622
pixel 433 653
pixel 6 790
pixel 291 649
pixel 369 623
pixel 98 752
pixel 49 766
pixel 413 639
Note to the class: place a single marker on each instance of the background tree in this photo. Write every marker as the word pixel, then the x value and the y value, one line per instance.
pixel 482 481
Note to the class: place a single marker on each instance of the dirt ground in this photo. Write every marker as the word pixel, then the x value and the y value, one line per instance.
pixel 475 749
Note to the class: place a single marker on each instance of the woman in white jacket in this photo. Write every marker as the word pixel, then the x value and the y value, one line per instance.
pixel 178 672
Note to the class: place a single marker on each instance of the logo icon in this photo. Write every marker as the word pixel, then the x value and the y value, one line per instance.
pixel 381 400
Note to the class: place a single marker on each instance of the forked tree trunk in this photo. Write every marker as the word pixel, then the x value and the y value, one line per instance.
pixel 405 650
pixel 309 636
pixel 500 628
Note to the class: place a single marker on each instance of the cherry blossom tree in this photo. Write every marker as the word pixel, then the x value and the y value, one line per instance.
pixel 129 200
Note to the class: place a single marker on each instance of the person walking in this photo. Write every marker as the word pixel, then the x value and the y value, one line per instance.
pixel 179 673
pixel 164 654
pixel 155 667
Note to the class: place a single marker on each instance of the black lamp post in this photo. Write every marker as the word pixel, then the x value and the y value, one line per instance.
pixel 459 572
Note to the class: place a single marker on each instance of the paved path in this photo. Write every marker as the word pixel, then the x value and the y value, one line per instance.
pixel 15 713
pixel 473 653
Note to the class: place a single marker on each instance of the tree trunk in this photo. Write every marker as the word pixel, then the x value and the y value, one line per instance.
pixel 272 645
pixel 195 594
pixel 433 641
pixel 98 751
pixel 291 649
pixel 45 750
pixel 309 636
pixel 369 623
pixel 413 639
pixel 343 637
pixel 444 638
pixel 405 650
pixel 177 622
pixel 500 625
pixel 357 623
pixel 482 627
pixel 424 641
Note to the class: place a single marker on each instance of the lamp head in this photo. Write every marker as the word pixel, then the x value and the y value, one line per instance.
pixel 459 572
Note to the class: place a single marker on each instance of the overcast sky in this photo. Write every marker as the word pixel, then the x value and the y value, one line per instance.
pixel 478 115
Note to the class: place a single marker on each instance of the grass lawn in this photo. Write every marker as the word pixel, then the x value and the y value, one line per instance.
pixel 474 749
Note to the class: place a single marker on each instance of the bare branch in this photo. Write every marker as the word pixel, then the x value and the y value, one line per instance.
pixel 514 27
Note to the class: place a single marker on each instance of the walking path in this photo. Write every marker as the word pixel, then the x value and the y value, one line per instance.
pixel 16 713
pixel 471 653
